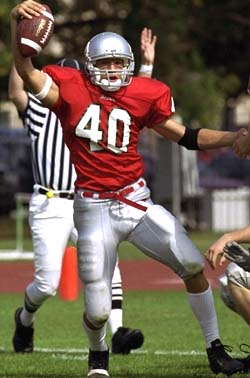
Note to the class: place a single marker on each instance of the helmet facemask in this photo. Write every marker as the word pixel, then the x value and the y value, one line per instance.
pixel 104 46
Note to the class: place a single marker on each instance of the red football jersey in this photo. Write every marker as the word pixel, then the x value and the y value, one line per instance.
pixel 101 128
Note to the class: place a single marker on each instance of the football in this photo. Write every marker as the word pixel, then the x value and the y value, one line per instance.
pixel 34 34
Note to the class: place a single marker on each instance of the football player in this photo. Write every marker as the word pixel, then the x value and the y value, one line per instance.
pixel 51 219
pixel 51 209
pixel 102 112
pixel 234 284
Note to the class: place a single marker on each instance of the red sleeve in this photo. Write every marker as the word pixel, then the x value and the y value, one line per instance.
pixel 61 75
pixel 163 105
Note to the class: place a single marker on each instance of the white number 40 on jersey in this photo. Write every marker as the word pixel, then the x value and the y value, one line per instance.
pixel 88 127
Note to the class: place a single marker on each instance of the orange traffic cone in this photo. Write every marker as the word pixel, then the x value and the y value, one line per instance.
pixel 68 286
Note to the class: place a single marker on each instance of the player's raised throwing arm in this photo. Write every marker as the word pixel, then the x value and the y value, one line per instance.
pixel 35 80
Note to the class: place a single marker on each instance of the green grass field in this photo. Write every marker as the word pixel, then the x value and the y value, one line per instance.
pixel 173 347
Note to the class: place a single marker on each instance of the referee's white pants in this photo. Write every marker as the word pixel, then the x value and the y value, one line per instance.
pixel 51 224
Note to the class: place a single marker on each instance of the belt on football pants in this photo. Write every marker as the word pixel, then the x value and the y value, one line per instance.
pixel 58 194
pixel 119 195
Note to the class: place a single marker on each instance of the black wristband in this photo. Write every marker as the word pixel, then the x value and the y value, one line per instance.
pixel 190 139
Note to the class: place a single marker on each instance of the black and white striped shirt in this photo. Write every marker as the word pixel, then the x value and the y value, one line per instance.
pixel 51 163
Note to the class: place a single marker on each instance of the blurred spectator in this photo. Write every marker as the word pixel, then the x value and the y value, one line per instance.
pixel 223 169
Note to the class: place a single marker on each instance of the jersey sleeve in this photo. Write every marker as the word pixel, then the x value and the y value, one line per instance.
pixel 162 105
pixel 60 75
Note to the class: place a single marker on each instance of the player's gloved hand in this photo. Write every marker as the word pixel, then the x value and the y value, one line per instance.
pixel 239 255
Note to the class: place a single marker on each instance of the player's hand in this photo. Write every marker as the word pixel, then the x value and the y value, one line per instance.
pixel 215 253
pixel 239 255
pixel 27 9
pixel 148 42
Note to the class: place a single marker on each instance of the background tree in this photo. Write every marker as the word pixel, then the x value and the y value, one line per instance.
pixel 202 50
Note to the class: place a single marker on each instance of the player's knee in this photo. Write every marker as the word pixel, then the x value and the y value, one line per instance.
pixel 39 292
pixel 238 276
pixel 193 270
pixel 225 293
pixel 98 297
pixel 47 283
pixel 98 320
pixel 47 289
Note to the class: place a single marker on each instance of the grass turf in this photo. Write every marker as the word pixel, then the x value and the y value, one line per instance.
pixel 173 347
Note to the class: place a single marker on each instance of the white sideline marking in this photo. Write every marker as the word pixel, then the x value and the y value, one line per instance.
pixel 65 352
pixel 69 356
pixel 10 255
pixel 180 352
pixel 62 350
pixel 141 351
pixel 74 354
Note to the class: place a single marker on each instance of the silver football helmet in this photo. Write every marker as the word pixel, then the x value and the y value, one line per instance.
pixel 109 45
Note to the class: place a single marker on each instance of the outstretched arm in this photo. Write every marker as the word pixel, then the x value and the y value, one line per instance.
pixel 148 42
pixel 202 139
pixel 33 78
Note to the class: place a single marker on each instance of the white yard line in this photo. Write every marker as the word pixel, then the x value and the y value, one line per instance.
pixel 68 355
pixel 71 351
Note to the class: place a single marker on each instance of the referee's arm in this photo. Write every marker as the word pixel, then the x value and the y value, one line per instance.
pixel 16 92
